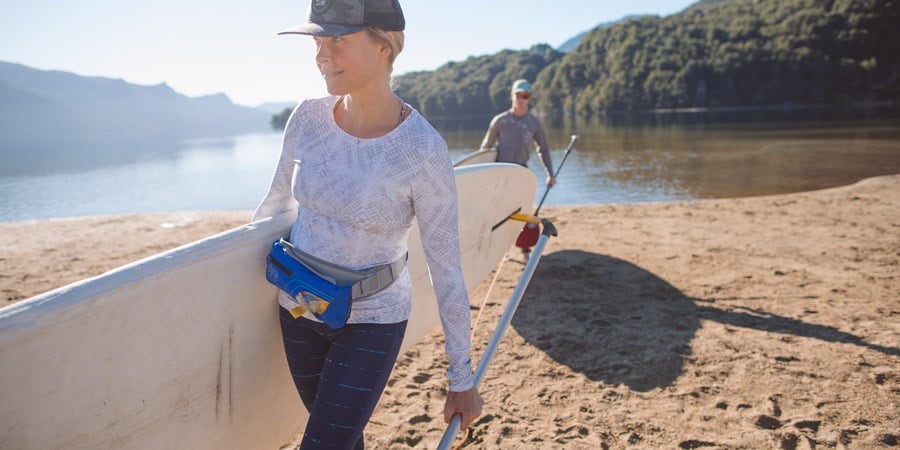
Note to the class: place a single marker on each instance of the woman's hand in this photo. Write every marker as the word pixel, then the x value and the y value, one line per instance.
pixel 467 403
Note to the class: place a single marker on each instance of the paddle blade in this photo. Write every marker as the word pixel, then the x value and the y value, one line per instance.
pixel 528 236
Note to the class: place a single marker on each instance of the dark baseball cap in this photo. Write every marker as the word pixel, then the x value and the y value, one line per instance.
pixel 340 17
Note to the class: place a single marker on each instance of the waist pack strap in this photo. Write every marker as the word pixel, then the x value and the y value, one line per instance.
pixel 364 283
pixel 379 279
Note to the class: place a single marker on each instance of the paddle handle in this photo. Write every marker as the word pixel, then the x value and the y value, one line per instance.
pixel 558 168
pixel 508 313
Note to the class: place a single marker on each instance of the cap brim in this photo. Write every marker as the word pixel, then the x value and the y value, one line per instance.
pixel 324 29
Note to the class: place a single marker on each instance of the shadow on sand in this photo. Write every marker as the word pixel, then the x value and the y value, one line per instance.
pixel 625 325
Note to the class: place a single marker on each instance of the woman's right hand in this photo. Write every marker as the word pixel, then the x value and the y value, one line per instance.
pixel 467 404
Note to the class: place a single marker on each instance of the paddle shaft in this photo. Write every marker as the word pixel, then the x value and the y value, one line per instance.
pixel 529 234
pixel 558 168
pixel 502 325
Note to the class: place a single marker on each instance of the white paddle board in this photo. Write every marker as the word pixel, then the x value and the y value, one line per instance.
pixel 183 349
pixel 479 156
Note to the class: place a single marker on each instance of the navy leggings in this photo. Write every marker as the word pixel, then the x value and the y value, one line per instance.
pixel 340 374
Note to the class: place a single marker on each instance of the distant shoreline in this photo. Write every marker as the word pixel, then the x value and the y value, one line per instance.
pixel 786 107
pixel 888 109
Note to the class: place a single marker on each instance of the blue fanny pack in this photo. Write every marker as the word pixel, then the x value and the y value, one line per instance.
pixel 322 288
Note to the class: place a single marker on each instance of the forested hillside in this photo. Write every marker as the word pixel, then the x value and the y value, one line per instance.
pixel 716 53
pixel 740 53
pixel 478 85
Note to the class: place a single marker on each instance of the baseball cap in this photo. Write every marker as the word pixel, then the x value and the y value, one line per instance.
pixel 340 17
pixel 521 86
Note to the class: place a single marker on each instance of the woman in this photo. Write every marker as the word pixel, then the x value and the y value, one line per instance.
pixel 360 165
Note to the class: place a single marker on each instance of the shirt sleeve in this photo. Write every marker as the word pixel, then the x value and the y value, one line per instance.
pixel 492 135
pixel 543 148
pixel 435 203
pixel 279 197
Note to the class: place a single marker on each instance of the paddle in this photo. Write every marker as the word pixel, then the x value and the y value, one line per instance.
pixel 529 234
pixel 511 306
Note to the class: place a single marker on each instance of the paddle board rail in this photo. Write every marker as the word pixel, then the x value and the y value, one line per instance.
pixel 480 156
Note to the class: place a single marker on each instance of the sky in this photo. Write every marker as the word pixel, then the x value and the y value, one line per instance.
pixel 202 47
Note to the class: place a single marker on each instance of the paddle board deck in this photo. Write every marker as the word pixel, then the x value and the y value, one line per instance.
pixel 183 349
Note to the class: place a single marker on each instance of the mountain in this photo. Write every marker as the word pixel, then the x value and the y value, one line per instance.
pixel 707 5
pixel 276 107
pixel 702 5
pixel 72 117
pixel 733 54
pixel 573 42
pixel 476 86
pixel 714 54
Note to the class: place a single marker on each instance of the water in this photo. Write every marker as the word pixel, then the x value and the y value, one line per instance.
pixel 636 161
pixel 210 174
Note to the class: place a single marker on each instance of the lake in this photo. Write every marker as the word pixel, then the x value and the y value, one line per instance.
pixel 654 158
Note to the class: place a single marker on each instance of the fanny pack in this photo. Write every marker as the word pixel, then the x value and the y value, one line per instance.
pixel 322 288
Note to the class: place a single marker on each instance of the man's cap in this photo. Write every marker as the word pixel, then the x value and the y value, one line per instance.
pixel 521 86
pixel 340 17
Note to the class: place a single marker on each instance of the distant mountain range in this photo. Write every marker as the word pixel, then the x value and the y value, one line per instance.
pixel 276 107
pixel 63 115
pixel 572 43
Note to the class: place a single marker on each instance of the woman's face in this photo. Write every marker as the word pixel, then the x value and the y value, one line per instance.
pixel 352 62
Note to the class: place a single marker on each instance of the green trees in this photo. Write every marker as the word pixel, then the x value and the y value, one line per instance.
pixel 717 53
pixel 738 53
pixel 479 85
pixel 279 121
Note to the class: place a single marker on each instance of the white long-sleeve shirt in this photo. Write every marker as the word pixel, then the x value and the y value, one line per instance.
pixel 356 201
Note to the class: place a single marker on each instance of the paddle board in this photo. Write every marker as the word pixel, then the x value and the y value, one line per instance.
pixel 479 156
pixel 183 349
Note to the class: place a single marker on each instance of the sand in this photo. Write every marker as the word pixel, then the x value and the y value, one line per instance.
pixel 764 322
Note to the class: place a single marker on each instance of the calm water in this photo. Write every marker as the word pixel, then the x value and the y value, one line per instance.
pixel 663 159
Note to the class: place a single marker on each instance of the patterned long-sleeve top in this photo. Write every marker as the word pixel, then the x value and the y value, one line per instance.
pixel 356 201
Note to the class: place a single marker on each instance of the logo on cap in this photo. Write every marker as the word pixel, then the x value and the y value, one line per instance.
pixel 320 7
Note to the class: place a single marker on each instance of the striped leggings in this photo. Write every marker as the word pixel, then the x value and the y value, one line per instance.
pixel 340 374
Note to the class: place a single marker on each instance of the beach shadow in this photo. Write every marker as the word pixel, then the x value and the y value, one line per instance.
pixel 762 320
pixel 620 324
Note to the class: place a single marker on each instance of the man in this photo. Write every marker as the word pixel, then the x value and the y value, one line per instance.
pixel 516 129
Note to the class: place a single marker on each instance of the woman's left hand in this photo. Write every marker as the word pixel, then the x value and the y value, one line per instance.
pixel 467 403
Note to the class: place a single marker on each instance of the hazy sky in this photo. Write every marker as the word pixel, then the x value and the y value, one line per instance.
pixel 208 46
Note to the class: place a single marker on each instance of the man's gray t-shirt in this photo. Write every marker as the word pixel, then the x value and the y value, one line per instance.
pixel 515 135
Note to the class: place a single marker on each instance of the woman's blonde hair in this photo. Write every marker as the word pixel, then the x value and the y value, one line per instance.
pixel 394 40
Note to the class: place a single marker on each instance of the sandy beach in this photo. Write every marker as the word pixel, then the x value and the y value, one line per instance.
pixel 763 322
